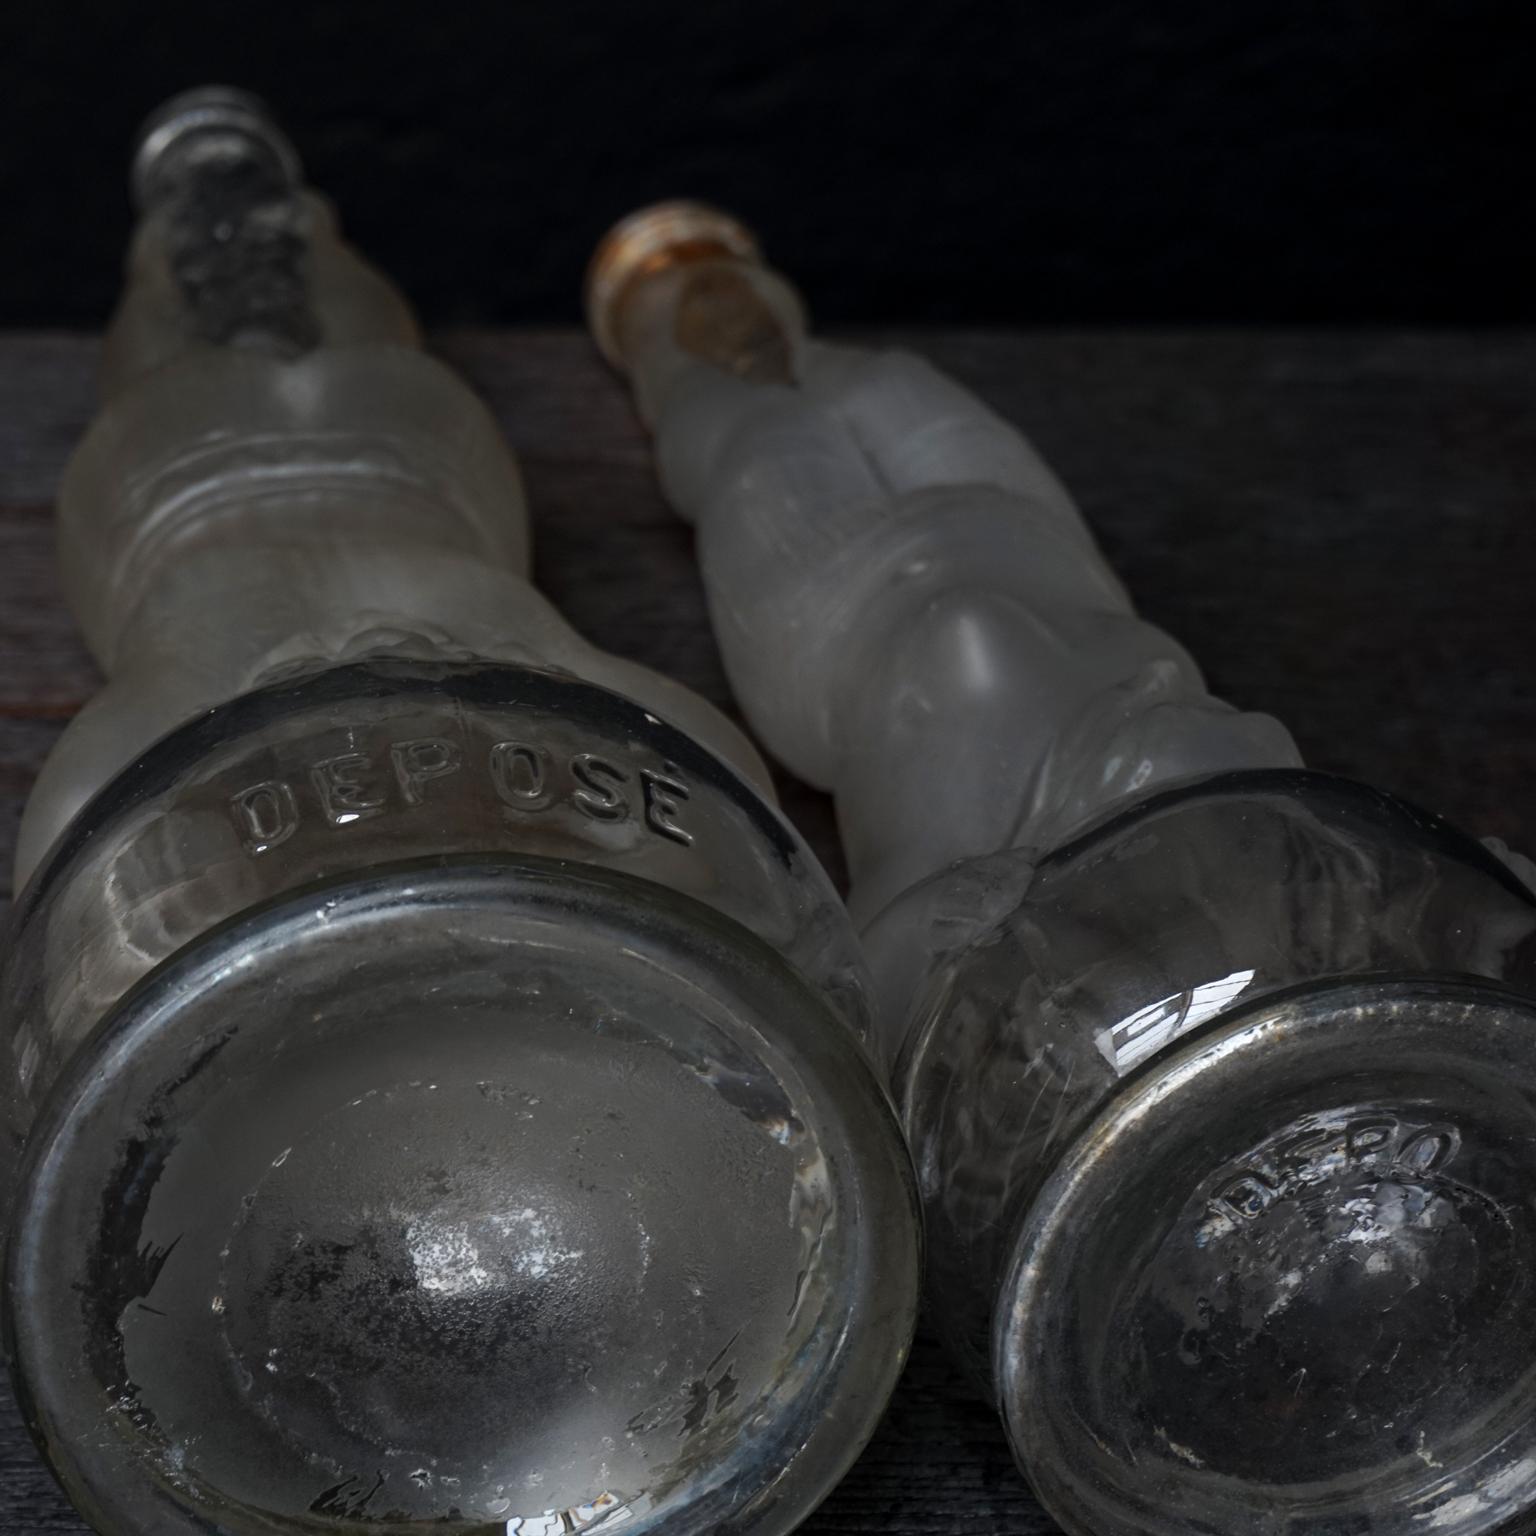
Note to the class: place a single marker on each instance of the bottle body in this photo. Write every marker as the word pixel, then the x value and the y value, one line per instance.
pixel 234 515
pixel 910 606
pixel 1217 1073
pixel 438 1090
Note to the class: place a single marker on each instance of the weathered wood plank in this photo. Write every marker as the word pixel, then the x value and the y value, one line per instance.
pixel 1340 526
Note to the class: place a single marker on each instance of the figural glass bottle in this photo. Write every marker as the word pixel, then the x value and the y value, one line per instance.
pixel 1218 1073
pixel 435 1093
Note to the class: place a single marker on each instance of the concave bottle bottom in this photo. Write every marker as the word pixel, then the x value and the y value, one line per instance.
pixel 465 1199
pixel 1288 1278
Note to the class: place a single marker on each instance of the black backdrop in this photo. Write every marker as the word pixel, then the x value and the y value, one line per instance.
pixel 1084 161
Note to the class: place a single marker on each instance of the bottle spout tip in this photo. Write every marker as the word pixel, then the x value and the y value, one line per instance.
pixel 650 240
pixel 218 121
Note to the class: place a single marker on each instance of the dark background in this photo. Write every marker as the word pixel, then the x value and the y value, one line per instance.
pixel 1088 161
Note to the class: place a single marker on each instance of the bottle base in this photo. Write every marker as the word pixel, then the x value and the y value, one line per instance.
pixel 494 1194
pixel 1283 1283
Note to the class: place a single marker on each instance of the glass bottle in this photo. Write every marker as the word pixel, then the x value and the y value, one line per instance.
pixel 1218 1072
pixel 437 1087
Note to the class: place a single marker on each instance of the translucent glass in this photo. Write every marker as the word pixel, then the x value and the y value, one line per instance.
pixel 437 1088
pixel 1217 1073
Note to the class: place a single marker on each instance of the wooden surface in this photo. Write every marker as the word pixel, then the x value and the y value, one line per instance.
pixel 1342 528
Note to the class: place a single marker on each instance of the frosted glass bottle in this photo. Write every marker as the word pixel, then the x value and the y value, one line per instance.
pixel 1218 1073
pixel 437 1091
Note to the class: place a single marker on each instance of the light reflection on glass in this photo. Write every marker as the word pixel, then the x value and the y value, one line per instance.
pixel 1149 1029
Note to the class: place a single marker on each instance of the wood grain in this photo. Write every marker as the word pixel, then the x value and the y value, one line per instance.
pixel 1342 527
